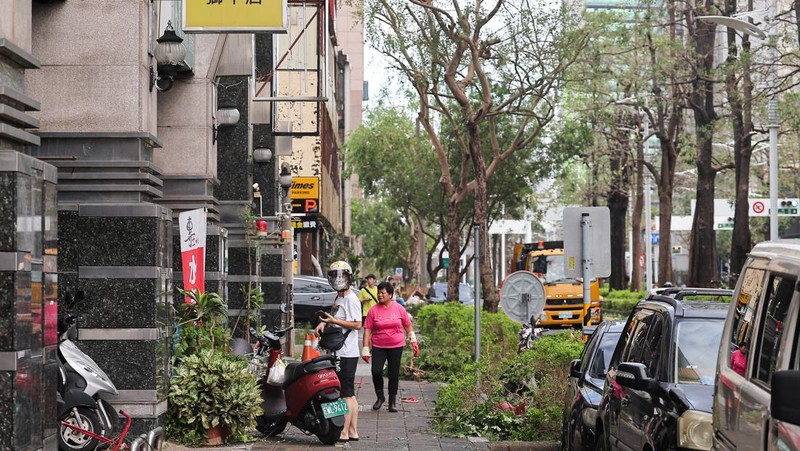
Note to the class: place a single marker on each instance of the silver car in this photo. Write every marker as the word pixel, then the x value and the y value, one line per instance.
pixel 437 293
pixel 312 293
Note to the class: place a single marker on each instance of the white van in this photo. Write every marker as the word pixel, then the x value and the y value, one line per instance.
pixel 757 393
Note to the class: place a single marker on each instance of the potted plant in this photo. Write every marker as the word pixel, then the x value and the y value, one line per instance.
pixel 212 395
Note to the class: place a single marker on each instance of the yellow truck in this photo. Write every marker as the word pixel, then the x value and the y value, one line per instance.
pixel 563 296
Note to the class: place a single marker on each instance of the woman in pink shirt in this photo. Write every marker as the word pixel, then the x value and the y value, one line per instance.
pixel 739 359
pixel 385 329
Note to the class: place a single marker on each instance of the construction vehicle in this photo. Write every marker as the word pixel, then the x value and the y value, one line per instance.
pixel 564 305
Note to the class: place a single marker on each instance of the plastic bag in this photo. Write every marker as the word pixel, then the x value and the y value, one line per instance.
pixel 277 374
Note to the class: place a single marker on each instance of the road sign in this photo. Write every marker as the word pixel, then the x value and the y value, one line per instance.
pixel 786 207
pixel 641 260
pixel 655 238
pixel 600 240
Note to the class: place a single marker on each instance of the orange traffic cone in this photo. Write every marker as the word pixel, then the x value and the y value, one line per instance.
pixel 309 351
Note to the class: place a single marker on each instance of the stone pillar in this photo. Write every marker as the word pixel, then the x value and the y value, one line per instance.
pixel 234 171
pixel 125 318
pixel 115 244
pixel 28 283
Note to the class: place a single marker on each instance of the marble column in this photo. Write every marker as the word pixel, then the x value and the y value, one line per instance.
pixel 28 303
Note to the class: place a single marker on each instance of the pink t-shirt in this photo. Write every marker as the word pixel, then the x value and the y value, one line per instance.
pixel 387 325
pixel 739 362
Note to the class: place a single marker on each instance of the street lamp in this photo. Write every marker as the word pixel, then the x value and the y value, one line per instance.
pixel 746 27
pixel 170 54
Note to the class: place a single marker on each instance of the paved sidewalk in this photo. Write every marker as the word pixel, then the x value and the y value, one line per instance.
pixel 407 429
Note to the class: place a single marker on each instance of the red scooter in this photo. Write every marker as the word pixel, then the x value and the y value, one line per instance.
pixel 309 397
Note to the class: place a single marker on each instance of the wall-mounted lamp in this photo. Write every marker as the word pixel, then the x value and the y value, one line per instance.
pixel 285 178
pixel 262 155
pixel 227 115
pixel 170 54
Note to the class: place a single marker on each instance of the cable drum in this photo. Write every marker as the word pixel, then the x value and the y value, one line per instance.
pixel 522 296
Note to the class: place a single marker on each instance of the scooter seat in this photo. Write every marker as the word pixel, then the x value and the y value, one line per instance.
pixel 297 370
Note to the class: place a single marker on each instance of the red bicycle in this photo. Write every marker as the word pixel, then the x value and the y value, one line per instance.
pixel 152 441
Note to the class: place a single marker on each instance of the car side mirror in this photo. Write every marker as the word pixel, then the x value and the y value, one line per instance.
pixel 575 368
pixel 785 399
pixel 633 375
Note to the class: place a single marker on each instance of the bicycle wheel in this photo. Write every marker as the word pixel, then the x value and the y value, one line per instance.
pixel 71 439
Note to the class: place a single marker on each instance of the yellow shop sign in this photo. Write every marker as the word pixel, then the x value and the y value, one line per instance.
pixel 234 16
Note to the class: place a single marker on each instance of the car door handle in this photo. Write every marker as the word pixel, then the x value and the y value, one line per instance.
pixel 315 298
pixel 625 400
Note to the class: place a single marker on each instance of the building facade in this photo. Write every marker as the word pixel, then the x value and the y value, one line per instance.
pixel 102 146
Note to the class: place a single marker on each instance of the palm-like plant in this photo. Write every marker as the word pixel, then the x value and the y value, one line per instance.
pixel 201 323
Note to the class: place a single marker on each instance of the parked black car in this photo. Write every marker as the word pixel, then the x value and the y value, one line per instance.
pixel 585 387
pixel 660 382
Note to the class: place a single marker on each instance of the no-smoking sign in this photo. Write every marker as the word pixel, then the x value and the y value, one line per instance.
pixel 758 207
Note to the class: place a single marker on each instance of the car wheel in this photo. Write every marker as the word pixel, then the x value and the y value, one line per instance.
pixel 600 441
pixel 601 444
pixel 564 435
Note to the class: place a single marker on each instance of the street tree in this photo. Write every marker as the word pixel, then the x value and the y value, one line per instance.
pixel 455 55
pixel 384 234
pixel 397 168
pixel 702 249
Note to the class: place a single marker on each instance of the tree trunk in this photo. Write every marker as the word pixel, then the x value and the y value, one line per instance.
pixel 453 247
pixel 413 253
pixel 703 253
pixel 666 188
pixel 488 289
pixel 618 209
pixel 741 122
pixel 636 219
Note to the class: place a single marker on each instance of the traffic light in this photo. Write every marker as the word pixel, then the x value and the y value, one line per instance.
pixel 676 249
pixel 788 207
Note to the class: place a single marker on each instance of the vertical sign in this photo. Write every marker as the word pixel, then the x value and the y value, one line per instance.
pixel 193 249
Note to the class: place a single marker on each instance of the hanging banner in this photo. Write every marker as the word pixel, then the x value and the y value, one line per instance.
pixel 192 224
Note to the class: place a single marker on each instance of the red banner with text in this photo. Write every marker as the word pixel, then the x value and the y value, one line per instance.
pixel 192 225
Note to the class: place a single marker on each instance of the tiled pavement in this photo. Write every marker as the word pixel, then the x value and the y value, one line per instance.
pixel 408 429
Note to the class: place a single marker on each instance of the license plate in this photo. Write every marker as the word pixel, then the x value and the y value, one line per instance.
pixel 335 408
pixel 564 315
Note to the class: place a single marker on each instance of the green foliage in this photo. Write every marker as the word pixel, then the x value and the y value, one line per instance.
pixel 481 399
pixel 201 324
pixel 447 344
pixel 250 314
pixel 385 238
pixel 211 389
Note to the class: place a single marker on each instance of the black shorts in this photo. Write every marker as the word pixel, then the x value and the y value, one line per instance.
pixel 347 375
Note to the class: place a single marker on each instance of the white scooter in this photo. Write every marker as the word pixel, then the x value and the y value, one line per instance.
pixel 81 388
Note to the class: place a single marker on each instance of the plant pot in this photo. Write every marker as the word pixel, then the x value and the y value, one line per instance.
pixel 215 436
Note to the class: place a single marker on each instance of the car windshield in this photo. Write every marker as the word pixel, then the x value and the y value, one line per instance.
pixel 697 348
pixel 555 268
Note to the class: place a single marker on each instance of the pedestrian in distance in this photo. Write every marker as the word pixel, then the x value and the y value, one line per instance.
pixel 346 314
pixel 739 359
pixel 368 296
pixel 385 330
